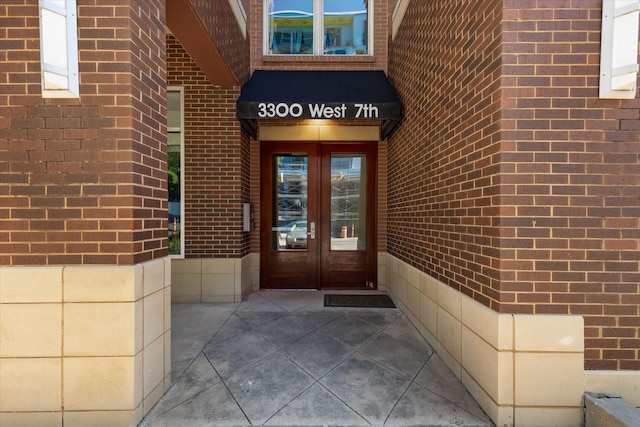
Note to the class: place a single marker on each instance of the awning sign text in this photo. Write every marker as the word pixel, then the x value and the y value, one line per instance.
pixel 296 110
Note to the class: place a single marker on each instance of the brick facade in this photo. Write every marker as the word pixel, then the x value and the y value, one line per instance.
pixel 85 280
pixel 441 167
pixel 84 181
pixel 509 185
pixel 524 194
pixel 570 171
pixel 216 161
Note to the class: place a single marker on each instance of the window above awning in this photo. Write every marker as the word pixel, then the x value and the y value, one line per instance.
pixel 334 95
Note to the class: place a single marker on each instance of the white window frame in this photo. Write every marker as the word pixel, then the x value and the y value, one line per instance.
pixel 318 31
pixel 179 89
pixel 619 49
pixel 59 48
pixel 398 15
pixel 240 14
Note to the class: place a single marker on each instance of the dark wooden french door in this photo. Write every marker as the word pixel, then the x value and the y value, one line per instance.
pixel 318 215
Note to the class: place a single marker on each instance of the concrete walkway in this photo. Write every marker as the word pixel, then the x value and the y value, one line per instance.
pixel 281 358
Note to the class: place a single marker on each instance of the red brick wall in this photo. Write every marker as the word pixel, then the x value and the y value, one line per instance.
pixel 445 66
pixel 381 214
pixel 570 181
pixel 525 190
pixel 255 194
pixel 84 180
pixel 216 161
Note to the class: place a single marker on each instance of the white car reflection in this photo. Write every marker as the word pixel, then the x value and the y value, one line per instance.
pixel 296 237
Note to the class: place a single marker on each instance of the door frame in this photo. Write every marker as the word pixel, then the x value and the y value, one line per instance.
pixel 318 251
pixel 288 262
pixel 334 265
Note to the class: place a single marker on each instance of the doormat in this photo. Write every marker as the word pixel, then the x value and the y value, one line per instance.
pixel 372 301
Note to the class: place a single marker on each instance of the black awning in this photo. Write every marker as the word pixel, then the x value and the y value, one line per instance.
pixel 339 95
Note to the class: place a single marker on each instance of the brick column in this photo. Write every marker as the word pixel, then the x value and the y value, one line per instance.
pixel 84 273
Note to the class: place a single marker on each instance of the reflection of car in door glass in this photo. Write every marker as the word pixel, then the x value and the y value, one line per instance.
pixel 297 236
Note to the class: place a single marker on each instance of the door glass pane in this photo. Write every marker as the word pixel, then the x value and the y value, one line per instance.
pixel 290 27
pixel 289 206
pixel 348 202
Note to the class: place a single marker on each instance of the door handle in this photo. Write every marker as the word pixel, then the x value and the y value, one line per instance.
pixel 312 228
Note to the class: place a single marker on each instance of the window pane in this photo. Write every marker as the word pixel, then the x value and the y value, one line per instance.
pixel 348 202
pixel 174 186
pixel 290 27
pixel 290 202
pixel 175 178
pixel 54 39
pixel 173 109
pixel 345 27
